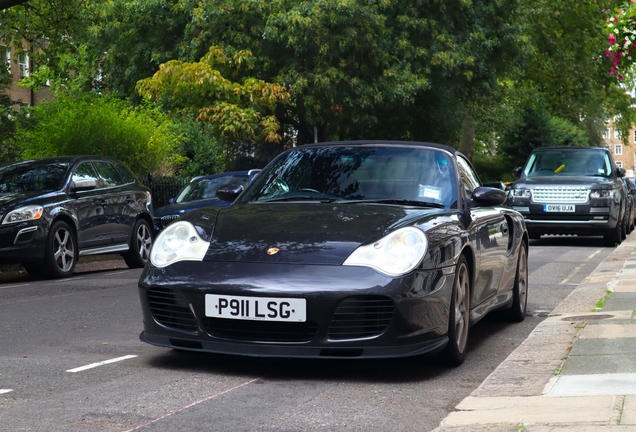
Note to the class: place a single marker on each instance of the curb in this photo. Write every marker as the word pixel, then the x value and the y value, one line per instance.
pixel 516 396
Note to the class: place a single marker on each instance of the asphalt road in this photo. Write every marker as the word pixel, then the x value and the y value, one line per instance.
pixel 71 360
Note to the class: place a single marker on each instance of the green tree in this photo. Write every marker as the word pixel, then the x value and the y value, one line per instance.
pixel 142 137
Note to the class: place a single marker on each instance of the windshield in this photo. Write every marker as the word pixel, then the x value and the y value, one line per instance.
pixel 569 162
pixel 205 188
pixel 33 176
pixel 415 174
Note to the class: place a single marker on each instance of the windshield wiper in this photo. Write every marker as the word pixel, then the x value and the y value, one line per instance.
pixel 299 198
pixel 395 201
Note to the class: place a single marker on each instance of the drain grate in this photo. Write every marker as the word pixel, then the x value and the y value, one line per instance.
pixel 587 317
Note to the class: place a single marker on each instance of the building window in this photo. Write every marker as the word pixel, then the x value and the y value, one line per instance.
pixel 606 133
pixel 23 65
pixel 617 134
pixel 619 164
pixel 618 149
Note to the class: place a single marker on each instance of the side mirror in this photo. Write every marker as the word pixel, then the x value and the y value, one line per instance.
pixel 229 192
pixel 517 171
pixel 620 172
pixel 487 196
pixel 83 185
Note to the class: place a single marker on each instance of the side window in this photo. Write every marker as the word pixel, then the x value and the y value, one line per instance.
pixel 108 172
pixel 85 171
pixel 467 176
pixel 125 173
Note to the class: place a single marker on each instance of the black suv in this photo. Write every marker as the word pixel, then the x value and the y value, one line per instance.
pixel 571 190
pixel 54 210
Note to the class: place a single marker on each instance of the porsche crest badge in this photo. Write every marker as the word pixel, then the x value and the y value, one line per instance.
pixel 272 251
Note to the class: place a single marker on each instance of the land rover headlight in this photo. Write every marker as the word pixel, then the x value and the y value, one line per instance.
pixel 178 242
pixel 22 214
pixel 606 193
pixel 394 255
pixel 520 193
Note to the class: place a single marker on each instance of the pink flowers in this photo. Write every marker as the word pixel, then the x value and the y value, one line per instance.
pixel 612 39
pixel 621 37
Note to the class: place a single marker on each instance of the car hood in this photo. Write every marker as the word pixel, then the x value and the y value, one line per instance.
pixel 557 181
pixel 182 208
pixel 305 233
pixel 11 200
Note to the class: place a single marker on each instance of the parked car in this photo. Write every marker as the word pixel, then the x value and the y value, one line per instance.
pixel 340 250
pixel 54 210
pixel 200 192
pixel 572 190
pixel 630 197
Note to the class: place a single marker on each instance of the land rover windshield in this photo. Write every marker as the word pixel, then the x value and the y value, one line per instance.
pixel 568 162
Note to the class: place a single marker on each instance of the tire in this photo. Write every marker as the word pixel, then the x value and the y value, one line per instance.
pixel 517 311
pixel 615 237
pixel 140 243
pixel 34 269
pixel 535 236
pixel 623 230
pixel 60 252
pixel 459 316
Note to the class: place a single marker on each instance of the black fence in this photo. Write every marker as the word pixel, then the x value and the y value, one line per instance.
pixel 164 188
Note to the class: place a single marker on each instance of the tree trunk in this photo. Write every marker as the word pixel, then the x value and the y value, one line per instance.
pixel 467 142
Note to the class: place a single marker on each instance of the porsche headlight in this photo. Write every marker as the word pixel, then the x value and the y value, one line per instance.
pixel 394 255
pixel 22 214
pixel 178 242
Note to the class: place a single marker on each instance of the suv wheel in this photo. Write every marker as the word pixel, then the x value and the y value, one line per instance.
pixel 140 244
pixel 60 253
pixel 615 237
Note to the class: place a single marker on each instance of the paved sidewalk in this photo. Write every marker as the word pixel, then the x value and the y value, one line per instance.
pixel 577 369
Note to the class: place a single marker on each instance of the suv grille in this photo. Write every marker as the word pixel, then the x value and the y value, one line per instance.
pixel 361 317
pixel 170 311
pixel 567 195
pixel 165 220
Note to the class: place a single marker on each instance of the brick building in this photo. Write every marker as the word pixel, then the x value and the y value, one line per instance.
pixel 19 67
pixel 624 155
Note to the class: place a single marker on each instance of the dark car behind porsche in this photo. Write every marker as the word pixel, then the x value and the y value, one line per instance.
pixel 54 210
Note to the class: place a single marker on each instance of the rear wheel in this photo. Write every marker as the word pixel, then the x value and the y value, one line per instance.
pixel 140 244
pixel 459 316
pixel 520 289
pixel 60 253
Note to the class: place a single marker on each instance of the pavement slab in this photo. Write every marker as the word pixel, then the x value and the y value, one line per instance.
pixel 599 384
pixel 599 364
pixel 531 410
pixel 604 346
pixel 609 331
pixel 629 411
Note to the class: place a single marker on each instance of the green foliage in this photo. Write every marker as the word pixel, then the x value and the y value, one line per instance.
pixel 141 137
pixel 201 153
pixel 492 168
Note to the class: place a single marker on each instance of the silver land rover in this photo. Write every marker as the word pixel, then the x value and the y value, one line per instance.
pixel 571 190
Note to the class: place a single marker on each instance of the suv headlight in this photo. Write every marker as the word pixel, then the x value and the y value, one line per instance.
pixel 520 193
pixel 602 194
pixel 22 214
pixel 394 255
pixel 178 242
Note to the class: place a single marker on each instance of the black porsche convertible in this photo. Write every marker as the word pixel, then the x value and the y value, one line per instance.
pixel 340 250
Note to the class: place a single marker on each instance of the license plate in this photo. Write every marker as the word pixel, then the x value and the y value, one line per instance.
pixel 563 208
pixel 255 308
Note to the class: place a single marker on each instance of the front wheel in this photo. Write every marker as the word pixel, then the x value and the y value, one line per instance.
pixel 60 252
pixel 140 244
pixel 517 311
pixel 615 237
pixel 459 316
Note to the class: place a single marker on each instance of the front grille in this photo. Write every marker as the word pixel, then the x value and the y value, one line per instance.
pixel 165 220
pixel 560 195
pixel 361 317
pixel 260 331
pixel 170 310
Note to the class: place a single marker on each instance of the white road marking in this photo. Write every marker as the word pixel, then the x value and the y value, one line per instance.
pixel 68 279
pixel 564 281
pixel 5 391
pixel 594 254
pixel 14 286
pixel 119 272
pixel 193 404
pixel 101 363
